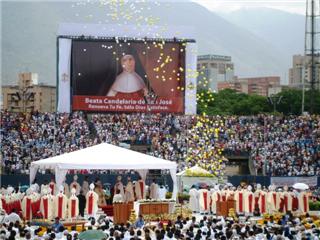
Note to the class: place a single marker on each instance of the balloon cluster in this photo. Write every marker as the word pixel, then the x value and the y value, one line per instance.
pixel 203 147
pixel 139 16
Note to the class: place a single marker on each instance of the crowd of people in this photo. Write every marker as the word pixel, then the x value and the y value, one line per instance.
pixel 243 225
pixel 278 146
pixel 287 227
pixel 250 201
pixel 27 138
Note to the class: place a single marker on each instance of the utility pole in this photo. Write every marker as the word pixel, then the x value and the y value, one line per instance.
pixel 274 101
pixel 312 49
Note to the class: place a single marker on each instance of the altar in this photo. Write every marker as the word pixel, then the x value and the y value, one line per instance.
pixel 153 207
pixel 121 212
pixel 223 207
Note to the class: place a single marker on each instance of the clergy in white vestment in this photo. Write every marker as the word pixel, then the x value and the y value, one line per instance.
pixel 295 201
pixel 60 204
pixel 285 200
pixel 92 199
pixel 273 200
pixel 17 196
pixel 249 201
pixel 239 197
pixel 47 204
pixel 303 199
pixel 140 189
pixel 35 201
pixel 129 193
pixel 154 190
pixel 73 205
pixel 9 198
pixel 288 198
pixel 215 198
pixel 256 197
pixel 53 187
pixel 75 185
pixel 26 205
pixel 194 199
pixel 204 200
pixel 66 189
pixel 52 199
pixel 119 186
pixel 263 202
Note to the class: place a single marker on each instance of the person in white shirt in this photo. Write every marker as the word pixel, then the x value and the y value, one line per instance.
pixel 12 217
pixel 154 192
pixel 162 192
pixel 129 193
pixel 194 199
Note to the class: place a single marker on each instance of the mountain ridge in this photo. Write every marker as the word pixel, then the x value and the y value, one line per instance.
pixel 29 40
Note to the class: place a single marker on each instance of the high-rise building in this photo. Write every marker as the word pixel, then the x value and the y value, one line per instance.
pixel 301 72
pixel 214 69
pixel 28 95
pixel 262 86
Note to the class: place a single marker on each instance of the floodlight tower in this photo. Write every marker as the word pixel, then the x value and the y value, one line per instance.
pixel 312 50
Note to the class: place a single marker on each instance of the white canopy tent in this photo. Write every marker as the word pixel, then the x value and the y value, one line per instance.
pixel 104 157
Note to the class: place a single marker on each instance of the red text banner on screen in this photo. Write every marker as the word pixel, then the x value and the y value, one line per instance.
pixel 112 104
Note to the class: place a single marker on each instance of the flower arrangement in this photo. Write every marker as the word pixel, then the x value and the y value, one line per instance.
pixel 144 200
pixel 179 211
pixel 266 216
pixel 168 200
pixel 317 223
pixel 183 197
pixel 155 200
pixel 168 195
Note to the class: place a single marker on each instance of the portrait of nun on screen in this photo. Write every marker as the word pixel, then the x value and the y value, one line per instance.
pixel 112 71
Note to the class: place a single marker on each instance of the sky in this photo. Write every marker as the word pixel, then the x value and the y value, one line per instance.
pixel 292 6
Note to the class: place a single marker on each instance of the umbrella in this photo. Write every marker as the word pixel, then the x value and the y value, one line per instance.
pixel 300 186
pixel 201 185
pixel 92 235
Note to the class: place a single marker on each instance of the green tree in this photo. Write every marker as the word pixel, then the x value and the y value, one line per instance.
pixel 291 101
pixel 229 102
